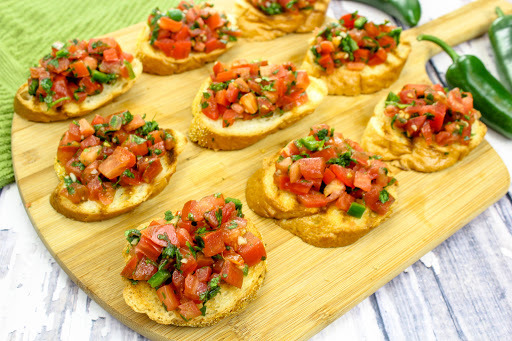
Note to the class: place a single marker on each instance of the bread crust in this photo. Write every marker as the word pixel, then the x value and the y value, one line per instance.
pixel 31 109
pixel 257 26
pixel 127 198
pixel 142 298
pixel 369 80
pixel 154 61
pixel 415 154
pixel 321 227
pixel 210 134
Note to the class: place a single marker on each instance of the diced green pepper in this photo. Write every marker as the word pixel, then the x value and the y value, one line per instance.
pixel 159 277
pixel 356 210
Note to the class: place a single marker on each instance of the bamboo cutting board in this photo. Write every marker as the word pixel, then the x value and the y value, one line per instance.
pixel 306 288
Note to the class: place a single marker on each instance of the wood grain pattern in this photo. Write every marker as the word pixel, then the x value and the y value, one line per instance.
pixel 419 224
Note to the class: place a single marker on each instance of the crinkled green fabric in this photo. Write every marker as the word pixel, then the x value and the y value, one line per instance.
pixel 27 30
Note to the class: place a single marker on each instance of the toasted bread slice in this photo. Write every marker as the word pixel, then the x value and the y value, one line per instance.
pixel 30 108
pixel 369 80
pixel 210 134
pixel 126 198
pixel 154 61
pixel 380 138
pixel 142 298
pixel 323 227
pixel 258 26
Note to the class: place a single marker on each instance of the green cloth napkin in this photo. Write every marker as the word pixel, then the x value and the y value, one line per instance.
pixel 27 30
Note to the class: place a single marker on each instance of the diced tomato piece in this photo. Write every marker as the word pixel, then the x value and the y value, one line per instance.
pixel 372 200
pixel 348 20
pixel 194 287
pixel 91 87
pixel 363 181
pixel 149 248
pixel 79 69
pixel 160 234
pixel 214 21
pixel 135 123
pixel 169 24
pixel 203 274
pixel 145 269
pixel 312 168
pixel 152 170
pixel 203 261
pixel 114 165
pixel 110 55
pixel 189 310
pixel 228 212
pixel 214 44
pixel 346 175
pixel 329 176
pixel 327 62
pixel 233 257
pixel 78 193
pixel 387 43
pixel 378 58
pixel 66 152
pixel 188 262
pixel 130 267
pixel 90 141
pixel 73 167
pixel 183 236
pixel 178 280
pixel 89 155
pixel 213 243
pixel 312 200
pixel 225 76
pixel 344 201
pixel 218 67
pixel 300 188
pixel 231 274
pixel 414 125
pixel 181 49
pixel 167 296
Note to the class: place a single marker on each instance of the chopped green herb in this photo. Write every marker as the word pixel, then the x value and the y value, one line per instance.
pixel 238 205
pixel 356 210
pixel 132 236
pixel 383 196
pixel 169 216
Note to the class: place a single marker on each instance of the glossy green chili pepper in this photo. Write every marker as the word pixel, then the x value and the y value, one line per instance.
pixel 489 95
pixel 405 10
pixel 500 34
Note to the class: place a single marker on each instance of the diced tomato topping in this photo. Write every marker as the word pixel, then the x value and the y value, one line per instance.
pixel 189 310
pixel 231 274
pixel 145 269
pixel 213 243
pixel 167 296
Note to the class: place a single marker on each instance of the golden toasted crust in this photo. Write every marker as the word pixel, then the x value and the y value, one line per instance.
pixel 258 26
pixel 210 134
pixel 142 298
pixel 415 154
pixel 369 80
pixel 126 198
pixel 156 62
pixel 30 108
pixel 322 227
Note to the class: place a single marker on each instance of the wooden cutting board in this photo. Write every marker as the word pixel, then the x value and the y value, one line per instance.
pixel 306 288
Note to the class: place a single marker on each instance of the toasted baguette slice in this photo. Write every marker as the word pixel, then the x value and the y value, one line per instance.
pixel 415 154
pixel 142 298
pixel 369 80
pixel 126 198
pixel 258 26
pixel 322 227
pixel 154 61
pixel 30 108
pixel 210 134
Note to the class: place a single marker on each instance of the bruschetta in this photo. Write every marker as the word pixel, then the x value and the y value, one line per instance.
pixel 425 127
pixel 184 38
pixel 242 103
pixel 195 267
pixel 76 78
pixel 355 56
pixel 112 165
pixel 268 19
pixel 323 188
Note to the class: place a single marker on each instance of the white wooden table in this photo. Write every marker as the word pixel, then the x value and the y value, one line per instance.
pixel 460 290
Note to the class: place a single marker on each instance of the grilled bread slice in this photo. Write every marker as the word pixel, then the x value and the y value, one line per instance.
pixel 369 80
pixel 142 298
pixel 323 227
pixel 154 61
pixel 380 138
pixel 30 108
pixel 257 26
pixel 211 134
pixel 126 198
